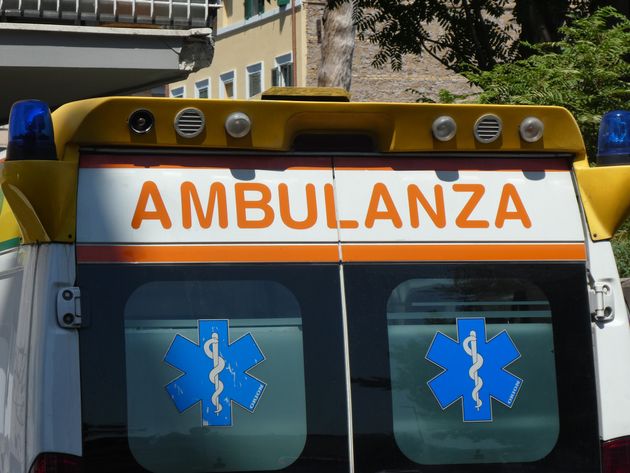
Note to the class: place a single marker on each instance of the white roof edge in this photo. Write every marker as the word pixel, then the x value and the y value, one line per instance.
pixel 105 30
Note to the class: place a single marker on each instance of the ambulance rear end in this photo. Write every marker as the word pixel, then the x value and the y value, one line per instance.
pixel 321 286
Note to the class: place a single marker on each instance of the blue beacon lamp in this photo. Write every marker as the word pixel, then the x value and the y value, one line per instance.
pixel 31 134
pixel 613 144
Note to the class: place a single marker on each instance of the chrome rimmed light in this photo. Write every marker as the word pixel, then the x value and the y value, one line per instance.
pixel 531 129
pixel 238 125
pixel 444 128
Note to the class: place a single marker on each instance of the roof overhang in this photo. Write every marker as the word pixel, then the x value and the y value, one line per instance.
pixel 59 63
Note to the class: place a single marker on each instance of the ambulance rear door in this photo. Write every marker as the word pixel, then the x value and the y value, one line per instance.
pixel 213 336
pixel 469 329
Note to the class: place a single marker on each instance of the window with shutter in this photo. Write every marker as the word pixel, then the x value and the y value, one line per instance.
pixel 282 74
pixel 253 8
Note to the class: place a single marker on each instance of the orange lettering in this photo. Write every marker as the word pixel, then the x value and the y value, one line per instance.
pixel 477 193
pixel 519 212
pixel 149 189
pixel 311 208
pixel 242 205
pixel 216 198
pixel 329 199
pixel 380 193
pixel 437 215
pixel 331 212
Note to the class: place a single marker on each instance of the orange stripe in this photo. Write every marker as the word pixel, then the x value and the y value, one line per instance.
pixel 450 162
pixel 328 253
pixel 207 254
pixel 467 252
pixel 205 162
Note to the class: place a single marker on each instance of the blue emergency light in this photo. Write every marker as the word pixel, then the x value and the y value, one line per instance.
pixel 30 132
pixel 613 144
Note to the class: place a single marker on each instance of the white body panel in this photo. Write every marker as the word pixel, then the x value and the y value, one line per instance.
pixel 121 189
pixel 54 404
pixel 39 361
pixel 611 343
pixel 17 268
pixel 549 202
pixel 537 209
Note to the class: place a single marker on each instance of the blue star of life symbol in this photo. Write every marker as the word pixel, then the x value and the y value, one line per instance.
pixel 474 369
pixel 215 373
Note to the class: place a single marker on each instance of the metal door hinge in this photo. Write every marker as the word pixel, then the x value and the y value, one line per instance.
pixel 69 307
pixel 601 301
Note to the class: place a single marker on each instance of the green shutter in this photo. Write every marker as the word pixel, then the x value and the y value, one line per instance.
pixel 254 7
pixel 288 74
pixel 282 3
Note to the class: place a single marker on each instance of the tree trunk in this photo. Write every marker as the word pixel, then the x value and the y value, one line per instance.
pixel 338 33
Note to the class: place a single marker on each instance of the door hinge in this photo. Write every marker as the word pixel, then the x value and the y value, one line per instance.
pixel 600 294
pixel 69 307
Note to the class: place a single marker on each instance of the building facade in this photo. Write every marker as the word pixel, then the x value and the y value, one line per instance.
pixel 255 48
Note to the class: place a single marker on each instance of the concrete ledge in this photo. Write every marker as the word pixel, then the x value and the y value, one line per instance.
pixel 59 64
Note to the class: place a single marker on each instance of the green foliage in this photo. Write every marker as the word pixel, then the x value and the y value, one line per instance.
pixel 621 249
pixel 587 71
pixel 456 33
pixel 445 96
pixel 461 34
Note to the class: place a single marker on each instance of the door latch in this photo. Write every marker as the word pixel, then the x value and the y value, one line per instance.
pixel 601 301
pixel 69 307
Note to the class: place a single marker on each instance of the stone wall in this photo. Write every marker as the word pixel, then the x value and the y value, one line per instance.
pixel 425 75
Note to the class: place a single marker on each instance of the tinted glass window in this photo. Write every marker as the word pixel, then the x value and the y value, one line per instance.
pixel 419 309
pixel 471 368
pixel 150 402
pixel 155 314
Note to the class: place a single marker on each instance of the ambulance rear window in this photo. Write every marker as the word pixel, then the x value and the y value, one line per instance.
pixel 158 311
pixel 417 310
pixel 212 368
pixel 471 368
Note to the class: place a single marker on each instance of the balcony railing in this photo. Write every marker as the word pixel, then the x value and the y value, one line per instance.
pixel 173 13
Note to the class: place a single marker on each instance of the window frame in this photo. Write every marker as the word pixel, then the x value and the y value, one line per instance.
pixel 256 68
pixel 225 78
pixel 178 92
pixel 199 86
pixel 254 8
pixel 277 78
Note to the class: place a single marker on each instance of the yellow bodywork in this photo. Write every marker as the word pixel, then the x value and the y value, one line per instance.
pixel 605 193
pixel 42 193
pixel 10 236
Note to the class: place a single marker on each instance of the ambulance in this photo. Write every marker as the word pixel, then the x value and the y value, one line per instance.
pixel 305 284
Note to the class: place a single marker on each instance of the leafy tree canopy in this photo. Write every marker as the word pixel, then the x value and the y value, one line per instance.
pixel 587 71
pixel 461 34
